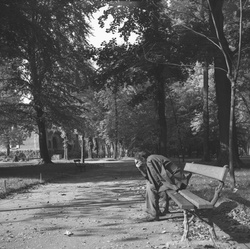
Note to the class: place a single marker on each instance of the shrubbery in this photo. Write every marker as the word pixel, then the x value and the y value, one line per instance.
pixel 17 156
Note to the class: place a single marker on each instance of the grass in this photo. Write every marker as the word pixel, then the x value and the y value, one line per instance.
pixel 16 177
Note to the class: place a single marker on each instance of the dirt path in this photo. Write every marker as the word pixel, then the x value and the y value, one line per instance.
pixel 101 208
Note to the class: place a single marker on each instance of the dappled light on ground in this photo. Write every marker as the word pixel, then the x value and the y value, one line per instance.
pixel 102 209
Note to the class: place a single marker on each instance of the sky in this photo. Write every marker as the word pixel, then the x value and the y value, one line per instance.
pixel 100 34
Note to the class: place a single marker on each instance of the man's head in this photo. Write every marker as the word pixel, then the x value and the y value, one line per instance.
pixel 140 158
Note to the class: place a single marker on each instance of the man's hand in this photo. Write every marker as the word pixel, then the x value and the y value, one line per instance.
pixel 138 163
pixel 167 185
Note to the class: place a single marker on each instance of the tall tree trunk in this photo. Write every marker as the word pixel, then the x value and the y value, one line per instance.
pixel 8 149
pixel 65 147
pixel 157 71
pixel 90 147
pixel 223 93
pixel 82 146
pixel 37 86
pixel 42 138
pixel 181 150
pixel 206 151
pixel 160 100
pixel 231 138
pixel 115 155
pixel 222 83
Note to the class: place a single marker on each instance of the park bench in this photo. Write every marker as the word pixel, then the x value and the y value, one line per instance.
pixel 196 206
pixel 79 165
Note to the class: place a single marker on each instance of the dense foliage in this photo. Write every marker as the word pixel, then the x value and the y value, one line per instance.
pixel 48 41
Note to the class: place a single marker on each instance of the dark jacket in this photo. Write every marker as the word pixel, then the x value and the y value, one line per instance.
pixel 163 173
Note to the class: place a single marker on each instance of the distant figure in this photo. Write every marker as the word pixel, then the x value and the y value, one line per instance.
pixel 161 175
pixel 15 159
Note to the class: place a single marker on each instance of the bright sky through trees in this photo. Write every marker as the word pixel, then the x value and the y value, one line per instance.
pixel 100 34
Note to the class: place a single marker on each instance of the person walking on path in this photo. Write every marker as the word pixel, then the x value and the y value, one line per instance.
pixel 161 175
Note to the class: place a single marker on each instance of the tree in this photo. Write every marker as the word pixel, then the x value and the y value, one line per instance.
pixel 14 129
pixel 191 22
pixel 228 38
pixel 156 51
pixel 49 38
pixel 136 121
pixel 10 137
pixel 230 74
pixel 115 64
pixel 185 114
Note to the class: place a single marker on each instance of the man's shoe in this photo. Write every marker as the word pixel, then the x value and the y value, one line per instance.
pixel 164 213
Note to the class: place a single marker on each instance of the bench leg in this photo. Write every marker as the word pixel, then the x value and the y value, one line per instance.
pixel 186 226
pixel 212 233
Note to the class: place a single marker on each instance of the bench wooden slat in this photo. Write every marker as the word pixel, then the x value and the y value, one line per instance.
pixel 215 172
pixel 195 200
pixel 180 200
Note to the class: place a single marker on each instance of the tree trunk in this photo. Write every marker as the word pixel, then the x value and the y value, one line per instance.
pixel 231 138
pixel 181 150
pixel 115 155
pixel 160 100
pixel 82 146
pixel 8 149
pixel 223 93
pixel 222 83
pixel 90 147
pixel 42 138
pixel 65 147
pixel 206 151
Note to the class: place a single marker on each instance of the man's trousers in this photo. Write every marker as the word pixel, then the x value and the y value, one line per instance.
pixel 157 203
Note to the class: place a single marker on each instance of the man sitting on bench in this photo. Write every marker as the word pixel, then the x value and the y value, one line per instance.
pixel 161 175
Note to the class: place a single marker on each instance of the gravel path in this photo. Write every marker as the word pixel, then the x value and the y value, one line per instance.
pixel 99 208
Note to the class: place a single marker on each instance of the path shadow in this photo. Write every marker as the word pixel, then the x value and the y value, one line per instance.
pixel 106 202
pixel 87 200
pixel 30 176
pixel 104 173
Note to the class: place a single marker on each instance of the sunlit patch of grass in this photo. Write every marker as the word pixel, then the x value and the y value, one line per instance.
pixel 12 185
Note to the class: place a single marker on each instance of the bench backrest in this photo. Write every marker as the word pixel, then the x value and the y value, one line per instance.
pixel 219 173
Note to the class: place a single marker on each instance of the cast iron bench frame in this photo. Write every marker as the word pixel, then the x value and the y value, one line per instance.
pixel 198 207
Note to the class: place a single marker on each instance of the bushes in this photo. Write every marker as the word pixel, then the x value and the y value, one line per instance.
pixel 19 155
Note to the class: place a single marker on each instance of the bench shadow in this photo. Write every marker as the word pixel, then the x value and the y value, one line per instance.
pixel 223 218
pixel 236 197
